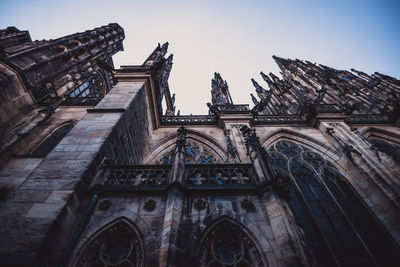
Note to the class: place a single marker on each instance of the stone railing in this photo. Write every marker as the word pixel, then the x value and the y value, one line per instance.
pixel 366 118
pixel 231 108
pixel 138 175
pixel 196 175
pixel 188 120
pixel 219 174
pixel 278 119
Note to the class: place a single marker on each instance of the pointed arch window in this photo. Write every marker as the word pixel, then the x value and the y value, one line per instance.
pixel 117 246
pixel 338 228
pixel 195 154
pixel 94 87
pixel 89 92
pixel 227 245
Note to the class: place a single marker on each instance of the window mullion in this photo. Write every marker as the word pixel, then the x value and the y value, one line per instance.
pixel 314 220
pixel 341 211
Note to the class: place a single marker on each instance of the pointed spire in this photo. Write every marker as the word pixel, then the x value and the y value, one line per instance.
pixel 173 99
pixel 164 87
pixel 167 66
pixel 254 99
pixel 275 78
pixel 163 49
pixel 266 77
pixel 261 92
pixel 220 94
pixel 257 86
pixel 270 83
pixel 283 64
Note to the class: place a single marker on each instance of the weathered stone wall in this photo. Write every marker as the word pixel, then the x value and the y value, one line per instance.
pixel 192 225
pixel 48 210
pixel 13 96
pixel 17 163
pixel 46 207
pixel 371 186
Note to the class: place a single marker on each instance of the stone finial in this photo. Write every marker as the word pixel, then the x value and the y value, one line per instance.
pixel 220 91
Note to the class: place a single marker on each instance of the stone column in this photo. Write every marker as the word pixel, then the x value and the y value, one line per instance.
pixel 172 219
pixel 255 152
pixel 237 141
pixel 173 211
pixel 38 218
pixel 286 236
pixel 178 166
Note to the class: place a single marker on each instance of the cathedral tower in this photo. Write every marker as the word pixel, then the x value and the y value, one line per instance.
pixel 99 170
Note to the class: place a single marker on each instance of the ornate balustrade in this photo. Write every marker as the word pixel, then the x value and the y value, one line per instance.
pixel 196 175
pixel 366 118
pixel 278 119
pixel 231 108
pixel 188 120
pixel 275 119
pixel 219 174
pixel 138 175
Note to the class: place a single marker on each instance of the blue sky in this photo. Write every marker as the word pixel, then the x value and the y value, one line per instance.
pixel 235 38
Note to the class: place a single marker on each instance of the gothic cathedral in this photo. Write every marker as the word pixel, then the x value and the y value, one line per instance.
pixel 97 169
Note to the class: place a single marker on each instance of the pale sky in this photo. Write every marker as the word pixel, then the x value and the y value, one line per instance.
pixel 235 38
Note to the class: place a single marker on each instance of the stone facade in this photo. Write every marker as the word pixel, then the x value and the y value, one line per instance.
pixel 94 176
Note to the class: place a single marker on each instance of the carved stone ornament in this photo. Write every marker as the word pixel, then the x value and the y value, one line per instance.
pixel 149 205
pixel 118 245
pixel 200 204
pixel 228 245
pixel 247 205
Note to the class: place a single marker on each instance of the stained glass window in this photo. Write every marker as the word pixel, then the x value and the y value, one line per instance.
pixel 116 246
pixel 195 154
pixel 228 246
pixel 337 226
pixel 89 92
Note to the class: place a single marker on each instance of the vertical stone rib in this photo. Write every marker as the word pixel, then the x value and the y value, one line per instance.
pixel 172 219
pixel 178 166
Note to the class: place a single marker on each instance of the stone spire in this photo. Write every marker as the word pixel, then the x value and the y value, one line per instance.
pixel 261 92
pixel 283 64
pixel 52 67
pixel 220 91
pixel 254 99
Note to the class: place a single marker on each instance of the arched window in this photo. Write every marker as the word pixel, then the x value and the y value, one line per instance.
pixel 195 154
pixel 117 246
pixel 50 142
pixel 227 245
pixel 89 92
pixel 94 87
pixel 337 227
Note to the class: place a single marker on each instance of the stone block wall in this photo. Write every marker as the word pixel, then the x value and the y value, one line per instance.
pixel 37 219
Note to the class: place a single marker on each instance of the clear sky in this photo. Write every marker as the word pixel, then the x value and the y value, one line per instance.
pixel 234 38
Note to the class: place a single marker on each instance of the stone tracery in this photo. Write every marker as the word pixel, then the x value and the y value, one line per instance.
pixel 116 246
pixel 196 153
pixel 228 245
pixel 329 211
